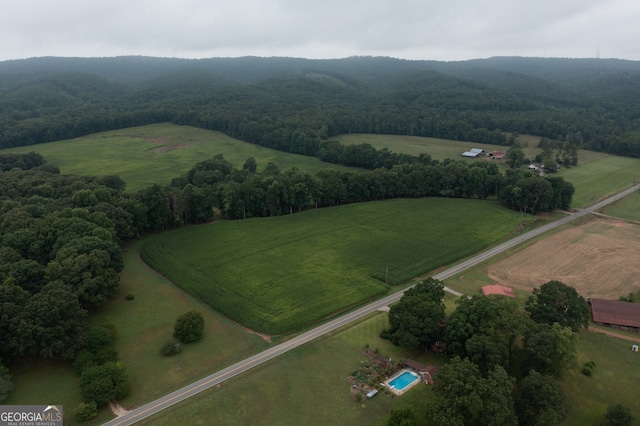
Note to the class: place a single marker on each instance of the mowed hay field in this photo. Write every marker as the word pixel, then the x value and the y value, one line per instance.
pixel 157 153
pixel 600 258
pixel 278 274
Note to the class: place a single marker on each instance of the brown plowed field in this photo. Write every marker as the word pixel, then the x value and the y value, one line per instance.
pixel 600 258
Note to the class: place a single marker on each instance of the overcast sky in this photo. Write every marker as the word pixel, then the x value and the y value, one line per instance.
pixel 411 29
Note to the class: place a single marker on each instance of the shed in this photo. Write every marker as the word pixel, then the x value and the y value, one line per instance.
pixel 473 152
pixel 372 393
pixel 498 289
pixel 614 313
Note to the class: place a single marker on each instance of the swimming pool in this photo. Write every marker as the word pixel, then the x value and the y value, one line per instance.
pixel 403 380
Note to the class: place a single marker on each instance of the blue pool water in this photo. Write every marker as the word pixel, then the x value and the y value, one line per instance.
pixel 403 380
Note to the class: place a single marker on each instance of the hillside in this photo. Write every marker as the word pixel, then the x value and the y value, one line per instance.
pixel 294 104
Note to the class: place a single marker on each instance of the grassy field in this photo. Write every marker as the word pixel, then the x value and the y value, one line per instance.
pixel 587 177
pixel 615 379
pixel 157 153
pixel 143 326
pixel 279 274
pixel 601 177
pixel 627 208
pixel 438 149
pixel 271 394
pixel 307 386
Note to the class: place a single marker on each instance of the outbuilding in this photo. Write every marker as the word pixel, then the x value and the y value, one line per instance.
pixel 501 290
pixel 616 314
pixel 473 153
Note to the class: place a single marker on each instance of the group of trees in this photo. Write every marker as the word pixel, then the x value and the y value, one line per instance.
pixel 506 364
pixel 240 194
pixel 59 259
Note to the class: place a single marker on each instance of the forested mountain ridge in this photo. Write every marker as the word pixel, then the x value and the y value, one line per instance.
pixel 295 104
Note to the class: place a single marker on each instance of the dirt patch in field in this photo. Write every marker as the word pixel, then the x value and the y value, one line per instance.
pixel 168 144
pixel 600 258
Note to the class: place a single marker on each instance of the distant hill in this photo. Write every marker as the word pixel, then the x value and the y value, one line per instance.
pixel 295 104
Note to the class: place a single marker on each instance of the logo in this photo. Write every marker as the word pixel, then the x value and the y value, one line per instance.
pixel 31 415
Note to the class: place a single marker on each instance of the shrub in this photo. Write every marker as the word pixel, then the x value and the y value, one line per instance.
pixel 587 368
pixel 170 349
pixel 619 415
pixel 130 296
pixel 85 411
pixel 189 327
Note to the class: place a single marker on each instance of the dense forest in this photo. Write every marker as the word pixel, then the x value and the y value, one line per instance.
pixel 296 105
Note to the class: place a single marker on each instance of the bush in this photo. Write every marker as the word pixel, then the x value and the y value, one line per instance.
pixel 130 296
pixel 101 383
pixel 6 382
pixel 189 327
pixel 170 349
pixel 587 368
pixel 619 415
pixel 85 411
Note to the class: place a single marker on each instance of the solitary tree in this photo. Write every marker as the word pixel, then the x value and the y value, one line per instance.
pixel 189 327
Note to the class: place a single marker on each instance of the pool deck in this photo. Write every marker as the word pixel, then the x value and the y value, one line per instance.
pixel 406 388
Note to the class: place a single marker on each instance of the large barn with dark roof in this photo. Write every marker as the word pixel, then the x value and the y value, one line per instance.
pixel 622 315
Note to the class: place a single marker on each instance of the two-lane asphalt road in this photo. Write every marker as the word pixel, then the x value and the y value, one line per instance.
pixel 190 390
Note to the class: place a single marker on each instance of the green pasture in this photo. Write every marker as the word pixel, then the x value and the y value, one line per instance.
pixel 627 208
pixel 282 273
pixel 615 379
pixel 157 153
pixel 597 175
pixel 438 149
pixel 602 177
pixel 307 386
pixel 143 325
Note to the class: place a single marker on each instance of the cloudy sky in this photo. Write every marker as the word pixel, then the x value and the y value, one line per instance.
pixel 411 29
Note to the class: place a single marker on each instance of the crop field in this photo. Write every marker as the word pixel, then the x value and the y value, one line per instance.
pixel 157 153
pixel 279 274
pixel 600 257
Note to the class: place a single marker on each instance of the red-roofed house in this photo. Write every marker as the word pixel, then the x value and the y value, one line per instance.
pixel 498 289
pixel 622 315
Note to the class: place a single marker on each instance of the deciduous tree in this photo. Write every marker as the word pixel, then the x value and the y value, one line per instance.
pixel 540 401
pixel 558 302
pixel 416 320
pixel 189 327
